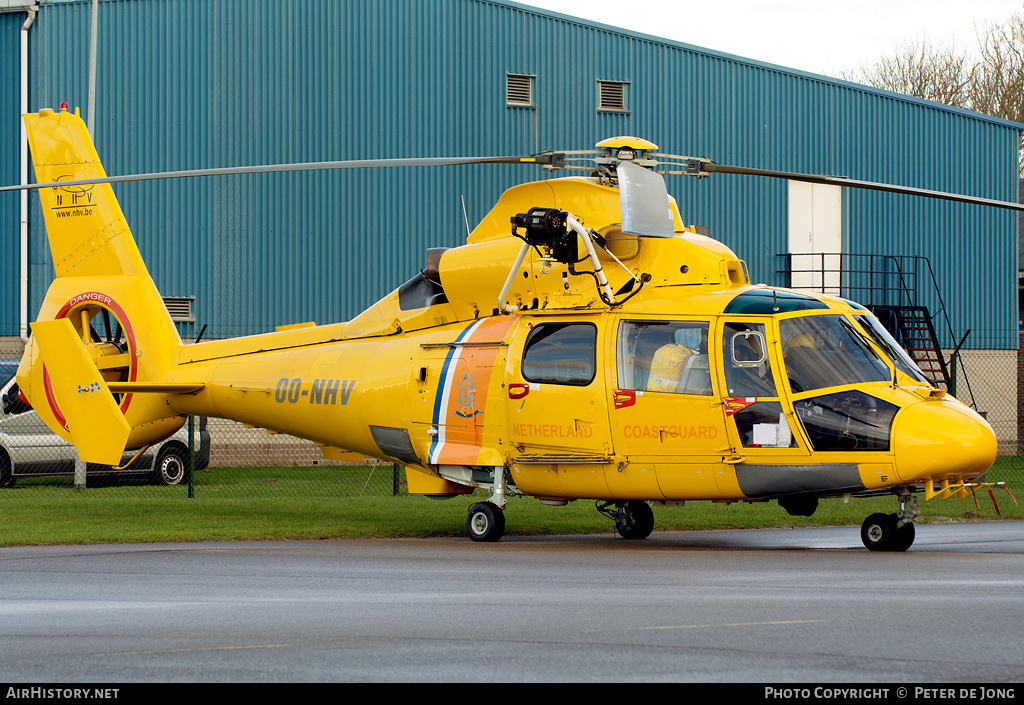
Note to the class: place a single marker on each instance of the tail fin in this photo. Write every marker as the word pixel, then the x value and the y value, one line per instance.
pixel 102 288
pixel 86 228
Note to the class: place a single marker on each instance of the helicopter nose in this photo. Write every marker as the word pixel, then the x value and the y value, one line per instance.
pixel 936 439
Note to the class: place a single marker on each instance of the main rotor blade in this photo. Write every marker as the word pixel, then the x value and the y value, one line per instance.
pixel 307 166
pixel 853 183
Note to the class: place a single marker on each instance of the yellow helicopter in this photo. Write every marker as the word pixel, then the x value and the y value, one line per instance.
pixel 583 344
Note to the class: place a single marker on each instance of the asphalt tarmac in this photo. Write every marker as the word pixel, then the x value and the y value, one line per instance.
pixel 755 606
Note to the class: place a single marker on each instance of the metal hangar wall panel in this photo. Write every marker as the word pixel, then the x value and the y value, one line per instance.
pixel 10 161
pixel 185 84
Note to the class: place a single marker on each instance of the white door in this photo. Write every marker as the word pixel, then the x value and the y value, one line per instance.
pixel 815 236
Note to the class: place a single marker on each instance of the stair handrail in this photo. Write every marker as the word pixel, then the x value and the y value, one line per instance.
pixel 949 330
pixel 904 287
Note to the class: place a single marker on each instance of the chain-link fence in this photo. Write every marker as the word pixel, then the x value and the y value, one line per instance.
pixel 228 459
pixel 992 383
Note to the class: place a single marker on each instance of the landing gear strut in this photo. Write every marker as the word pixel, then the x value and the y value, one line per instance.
pixel 891 532
pixel 633 519
pixel 486 520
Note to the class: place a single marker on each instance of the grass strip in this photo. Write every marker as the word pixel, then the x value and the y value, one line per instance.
pixel 243 504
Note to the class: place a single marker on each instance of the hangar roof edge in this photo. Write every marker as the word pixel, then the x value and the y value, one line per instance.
pixel 760 64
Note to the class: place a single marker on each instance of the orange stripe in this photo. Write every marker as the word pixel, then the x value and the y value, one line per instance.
pixel 465 416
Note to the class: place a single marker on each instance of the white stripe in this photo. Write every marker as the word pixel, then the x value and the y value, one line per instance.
pixel 446 393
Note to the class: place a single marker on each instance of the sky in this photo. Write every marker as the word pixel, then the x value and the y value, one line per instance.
pixel 820 36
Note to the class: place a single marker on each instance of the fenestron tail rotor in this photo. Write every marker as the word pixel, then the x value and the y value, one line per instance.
pixel 105 342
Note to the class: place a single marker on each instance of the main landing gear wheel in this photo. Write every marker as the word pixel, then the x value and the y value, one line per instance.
pixel 634 520
pixel 879 533
pixel 486 522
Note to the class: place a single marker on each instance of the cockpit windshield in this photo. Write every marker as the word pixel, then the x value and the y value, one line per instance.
pixel 828 351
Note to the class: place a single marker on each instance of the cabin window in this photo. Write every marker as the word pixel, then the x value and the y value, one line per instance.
pixel 827 351
pixel 664 356
pixel 561 353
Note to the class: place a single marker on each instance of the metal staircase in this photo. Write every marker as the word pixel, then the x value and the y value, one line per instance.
pixel 912 327
pixel 888 285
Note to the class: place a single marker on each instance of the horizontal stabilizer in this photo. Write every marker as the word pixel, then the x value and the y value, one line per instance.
pixel 156 387
pixel 97 426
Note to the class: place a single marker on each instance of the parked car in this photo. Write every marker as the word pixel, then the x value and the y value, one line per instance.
pixel 28 448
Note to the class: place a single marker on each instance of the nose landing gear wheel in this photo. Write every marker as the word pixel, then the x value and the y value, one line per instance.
pixel 879 533
pixel 486 522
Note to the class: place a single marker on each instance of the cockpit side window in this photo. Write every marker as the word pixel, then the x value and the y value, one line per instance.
pixel 760 420
pixel 748 370
pixel 664 356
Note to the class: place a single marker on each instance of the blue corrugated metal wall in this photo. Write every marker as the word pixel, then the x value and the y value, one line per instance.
pixel 10 139
pixel 194 83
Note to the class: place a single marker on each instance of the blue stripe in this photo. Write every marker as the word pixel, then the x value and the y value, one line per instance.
pixel 442 382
